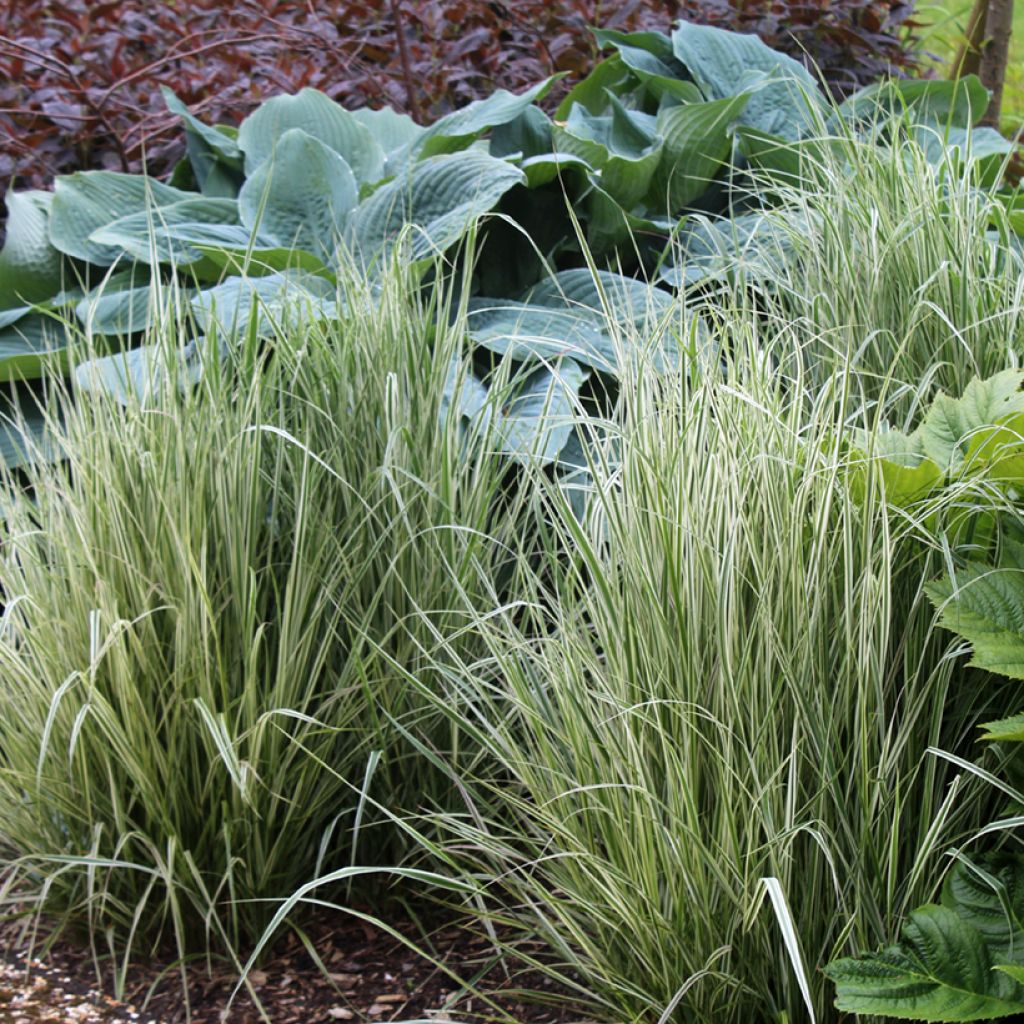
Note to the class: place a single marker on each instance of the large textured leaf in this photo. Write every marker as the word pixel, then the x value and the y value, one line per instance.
pixel 650 57
pixel 89 200
pixel 441 197
pixel 784 93
pixel 697 143
pixel 941 971
pixel 530 419
pixel 610 77
pixel 264 304
pixel 123 304
pixel 30 346
pixel 30 267
pixel 390 129
pixel 456 131
pixel 985 605
pixel 951 104
pixel 139 373
pixel 753 246
pixel 300 197
pixel 223 145
pixel 316 115
pixel 591 319
pixel 951 424
pixel 146 235
pixel 25 432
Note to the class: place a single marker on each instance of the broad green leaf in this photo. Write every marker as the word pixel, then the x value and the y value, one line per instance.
pixel 300 197
pixel 525 136
pixel 147 235
pixel 455 131
pixel 984 150
pixel 264 304
pixel 223 145
pixel 754 246
pixel 30 346
pixel 941 971
pixel 25 433
pixel 697 143
pixel 985 605
pixel 952 104
pixel 391 130
pixel 1005 730
pixel 988 894
pixel 125 376
pixel 259 261
pixel 611 76
pixel 592 320
pixel 784 96
pixel 440 197
pixel 950 424
pixel 89 200
pixel 30 267
pixel 530 419
pixel 123 304
pixel 318 116
pixel 650 57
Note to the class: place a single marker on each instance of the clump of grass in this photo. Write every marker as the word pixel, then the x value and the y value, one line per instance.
pixel 904 268
pixel 196 602
pixel 725 673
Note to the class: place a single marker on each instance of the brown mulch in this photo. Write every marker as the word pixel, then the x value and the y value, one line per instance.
pixel 371 977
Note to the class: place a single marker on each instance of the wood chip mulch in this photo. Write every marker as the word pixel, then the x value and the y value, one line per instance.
pixel 371 978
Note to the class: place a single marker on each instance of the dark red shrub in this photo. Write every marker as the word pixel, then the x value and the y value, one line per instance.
pixel 79 79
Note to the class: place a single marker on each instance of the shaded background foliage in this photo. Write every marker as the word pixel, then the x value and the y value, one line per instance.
pixel 79 79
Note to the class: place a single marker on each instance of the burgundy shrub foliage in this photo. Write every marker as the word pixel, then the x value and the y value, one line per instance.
pixel 79 79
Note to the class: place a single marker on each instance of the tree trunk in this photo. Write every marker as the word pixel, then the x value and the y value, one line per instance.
pixel 968 57
pixel 995 53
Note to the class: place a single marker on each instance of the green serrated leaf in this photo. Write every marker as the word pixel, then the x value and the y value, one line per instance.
pixel 941 971
pixel 1005 730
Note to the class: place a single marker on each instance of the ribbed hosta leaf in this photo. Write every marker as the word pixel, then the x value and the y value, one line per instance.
pixel 30 267
pixel 301 196
pixel 156 236
pixel 87 201
pixel 319 116
pixel 31 345
pixel 724 64
pixel 440 197
pixel 530 419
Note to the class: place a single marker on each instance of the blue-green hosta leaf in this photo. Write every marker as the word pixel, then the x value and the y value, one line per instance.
pixel 86 201
pixel 149 236
pixel 592 320
pixel 697 143
pixel 301 196
pixel 391 130
pixel 267 303
pixel 541 170
pixel 985 605
pixel 457 130
pixel 611 76
pixel 30 346
pixel 941 971
pixel 25 432
pixel 440 197
pixel 30 267
pixel 949 104
pixel 984 149
pixel 785 96
pixel 650 57
pixel 525 136
pixel 138 374
pixel 258 261
pixel 224 145
pixel 530 419
pixel 316 115
pixel 754 246
pixel 123 304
